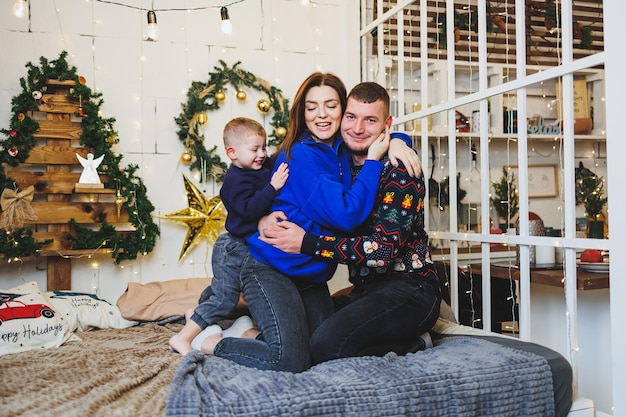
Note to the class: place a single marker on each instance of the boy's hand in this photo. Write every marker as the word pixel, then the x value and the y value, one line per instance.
pixel 268 220
pixel 279 178
pixel 284 235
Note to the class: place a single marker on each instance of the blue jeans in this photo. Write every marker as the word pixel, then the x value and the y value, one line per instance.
pixel 376 318
pixel 220 299
pixel 281 308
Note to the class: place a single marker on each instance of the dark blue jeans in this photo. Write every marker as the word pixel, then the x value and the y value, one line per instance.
pixel 377 318
pixel 220 299
pixel 282 310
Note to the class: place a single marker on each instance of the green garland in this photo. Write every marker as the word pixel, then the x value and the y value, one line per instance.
pixel 97 134
pixel 203 97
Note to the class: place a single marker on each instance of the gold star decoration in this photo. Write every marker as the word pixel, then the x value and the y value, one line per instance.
pixel 204 217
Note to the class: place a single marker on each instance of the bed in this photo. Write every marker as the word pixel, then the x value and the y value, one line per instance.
pixel 128 370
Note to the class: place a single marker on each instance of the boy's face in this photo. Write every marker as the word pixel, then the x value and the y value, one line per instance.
pixel 362 123
pixel 249 152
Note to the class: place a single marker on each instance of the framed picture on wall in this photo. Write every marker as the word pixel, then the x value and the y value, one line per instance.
pixel 543 181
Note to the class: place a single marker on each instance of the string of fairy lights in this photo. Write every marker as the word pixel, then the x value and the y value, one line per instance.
pixel 21 8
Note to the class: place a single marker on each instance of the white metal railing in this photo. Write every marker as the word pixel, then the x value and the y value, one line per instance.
pixel 451 102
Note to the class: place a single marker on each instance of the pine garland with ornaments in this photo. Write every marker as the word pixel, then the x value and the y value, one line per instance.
pixel 208 96
pixel 99 135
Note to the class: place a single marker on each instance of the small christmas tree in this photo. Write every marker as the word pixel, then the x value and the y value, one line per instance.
pixel 590 188
pixel 505 198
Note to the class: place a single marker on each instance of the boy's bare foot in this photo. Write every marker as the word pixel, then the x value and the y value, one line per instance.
pixel 179 345
pixel 209 343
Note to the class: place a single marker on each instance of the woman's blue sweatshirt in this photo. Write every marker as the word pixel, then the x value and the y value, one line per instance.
pixel 320 197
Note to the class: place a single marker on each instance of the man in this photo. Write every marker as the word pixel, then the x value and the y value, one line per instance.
pixel 396 294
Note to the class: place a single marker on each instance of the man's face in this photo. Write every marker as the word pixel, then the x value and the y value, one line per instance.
pixel 362 123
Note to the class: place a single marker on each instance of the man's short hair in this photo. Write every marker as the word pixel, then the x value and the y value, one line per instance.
pixel 370 92
pixel 239 127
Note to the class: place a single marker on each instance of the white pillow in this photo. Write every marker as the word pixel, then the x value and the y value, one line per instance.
pixel 28 320
pixel 86 311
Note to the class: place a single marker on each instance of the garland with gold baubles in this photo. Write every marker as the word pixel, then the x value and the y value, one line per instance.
pixel 208 96
pixel 98 135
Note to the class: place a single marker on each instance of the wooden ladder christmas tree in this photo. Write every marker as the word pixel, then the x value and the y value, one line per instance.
pixel 56 118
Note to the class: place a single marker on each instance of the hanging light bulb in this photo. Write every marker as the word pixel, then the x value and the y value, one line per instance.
pixel 227 27
pixel 20 7
pixel 153 29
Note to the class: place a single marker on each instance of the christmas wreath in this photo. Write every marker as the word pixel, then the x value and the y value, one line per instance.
pixel 98 135
pixel 207 96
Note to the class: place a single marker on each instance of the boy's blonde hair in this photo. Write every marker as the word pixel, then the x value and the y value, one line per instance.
pixel 236 130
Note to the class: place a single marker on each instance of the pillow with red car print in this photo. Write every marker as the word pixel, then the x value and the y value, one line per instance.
pixel 28 321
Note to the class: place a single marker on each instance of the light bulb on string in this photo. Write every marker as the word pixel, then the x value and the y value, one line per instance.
pixel 227 26
pixel 20 7
pixel 153 29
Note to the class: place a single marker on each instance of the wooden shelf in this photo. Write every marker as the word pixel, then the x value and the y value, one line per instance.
pixel 548 276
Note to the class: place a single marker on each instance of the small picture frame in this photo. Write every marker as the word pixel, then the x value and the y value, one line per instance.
pixel 543 180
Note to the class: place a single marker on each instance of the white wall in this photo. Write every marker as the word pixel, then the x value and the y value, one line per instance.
pixel 144 83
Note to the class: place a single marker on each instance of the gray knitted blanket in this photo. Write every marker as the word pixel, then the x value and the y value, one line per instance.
pixel 460 376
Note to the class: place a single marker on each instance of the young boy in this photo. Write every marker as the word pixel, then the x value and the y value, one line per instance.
pixel 247 193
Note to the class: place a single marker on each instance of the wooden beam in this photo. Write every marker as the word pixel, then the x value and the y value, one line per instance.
pixel 55 155
pixel 56 103
pixel 59 273
pixel 59 212
pixel 58 129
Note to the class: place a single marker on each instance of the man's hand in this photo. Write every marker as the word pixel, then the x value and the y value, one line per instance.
pixel 272 218
pixel 284 235
pixel 398 150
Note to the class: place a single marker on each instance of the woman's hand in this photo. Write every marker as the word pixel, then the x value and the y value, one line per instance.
pixel 400 151
pixel 379 147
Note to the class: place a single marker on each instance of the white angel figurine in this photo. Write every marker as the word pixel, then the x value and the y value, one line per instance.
pixel 89 175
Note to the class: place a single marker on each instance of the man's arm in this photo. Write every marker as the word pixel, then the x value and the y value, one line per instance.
pixel 396 216
pixel 400 150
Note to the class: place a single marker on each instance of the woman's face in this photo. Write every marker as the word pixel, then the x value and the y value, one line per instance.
pixel 322 112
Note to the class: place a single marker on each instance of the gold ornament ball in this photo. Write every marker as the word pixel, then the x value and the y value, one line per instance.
pixel 241 95
pixel 281 132
pixel 220 96
pixel 263 105
pixel 201 118
pixel 185 158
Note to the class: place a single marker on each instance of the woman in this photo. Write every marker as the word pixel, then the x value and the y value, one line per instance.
pixel 287 293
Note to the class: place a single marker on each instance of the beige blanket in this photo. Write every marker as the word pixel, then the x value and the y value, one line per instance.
pixel 109 373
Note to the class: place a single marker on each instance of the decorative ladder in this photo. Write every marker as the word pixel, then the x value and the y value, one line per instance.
pixel 53 169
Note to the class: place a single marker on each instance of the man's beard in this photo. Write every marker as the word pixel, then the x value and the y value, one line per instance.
pixel 359 152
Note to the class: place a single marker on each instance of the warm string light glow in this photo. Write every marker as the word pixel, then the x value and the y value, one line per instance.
pixel 153 29
pixel 20 8
pixel 226 26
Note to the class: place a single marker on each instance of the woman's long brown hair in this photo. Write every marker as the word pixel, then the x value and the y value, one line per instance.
pixel 297 124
